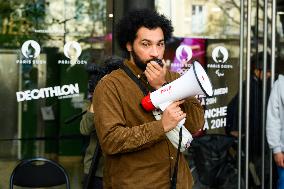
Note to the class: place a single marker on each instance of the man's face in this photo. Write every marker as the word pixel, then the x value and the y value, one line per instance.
pixel 259 74
pixel 148 44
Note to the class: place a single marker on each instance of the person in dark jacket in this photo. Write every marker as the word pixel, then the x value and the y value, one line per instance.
pixel 255 117
pixel 87 128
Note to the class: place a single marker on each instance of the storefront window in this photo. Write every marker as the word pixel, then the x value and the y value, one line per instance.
pixel 45 47
pixel 203 26
pixel 211 29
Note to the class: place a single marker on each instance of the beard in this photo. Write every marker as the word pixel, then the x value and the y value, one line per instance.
pixel 138 61
pixel 143 64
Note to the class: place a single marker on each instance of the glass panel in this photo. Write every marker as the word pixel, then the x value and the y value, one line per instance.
pixel 216 26
pixel 45 48
pixel 208 31
pixel 218 29
pixel 9 77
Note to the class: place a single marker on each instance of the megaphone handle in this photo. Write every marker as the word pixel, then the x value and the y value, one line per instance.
pixel 164 105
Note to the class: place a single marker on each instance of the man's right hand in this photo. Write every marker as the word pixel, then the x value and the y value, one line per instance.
pixel 279 159
pixel 172 116
pixel 156 74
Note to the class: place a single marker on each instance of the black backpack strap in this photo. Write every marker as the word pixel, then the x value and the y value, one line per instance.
pixel 135 79
pixel 174 177
pixel 94 165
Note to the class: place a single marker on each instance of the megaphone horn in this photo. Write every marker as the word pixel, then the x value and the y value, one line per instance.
pixel 194 82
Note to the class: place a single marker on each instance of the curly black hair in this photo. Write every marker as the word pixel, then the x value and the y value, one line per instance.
pixel 128 26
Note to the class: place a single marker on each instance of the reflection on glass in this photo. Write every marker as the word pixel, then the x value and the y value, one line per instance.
pixel 35 32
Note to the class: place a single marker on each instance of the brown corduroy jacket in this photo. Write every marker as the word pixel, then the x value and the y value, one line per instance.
pixel 137 152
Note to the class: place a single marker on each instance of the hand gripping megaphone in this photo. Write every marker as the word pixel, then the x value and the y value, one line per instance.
pixel 194 82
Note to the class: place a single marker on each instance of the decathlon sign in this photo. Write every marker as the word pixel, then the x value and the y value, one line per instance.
pixel 59 91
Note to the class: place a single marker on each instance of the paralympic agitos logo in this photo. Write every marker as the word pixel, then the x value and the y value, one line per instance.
pixel 72 50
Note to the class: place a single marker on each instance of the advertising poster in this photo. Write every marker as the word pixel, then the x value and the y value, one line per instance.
pixel 221 66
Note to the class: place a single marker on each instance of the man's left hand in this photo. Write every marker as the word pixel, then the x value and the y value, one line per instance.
pixel 156 75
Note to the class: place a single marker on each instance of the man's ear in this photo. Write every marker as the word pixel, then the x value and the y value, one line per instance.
pixel 128 46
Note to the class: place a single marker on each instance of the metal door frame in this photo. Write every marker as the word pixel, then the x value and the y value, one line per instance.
pixel 245 57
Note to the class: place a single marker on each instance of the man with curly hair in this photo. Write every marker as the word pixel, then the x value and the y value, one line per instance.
pixel 137 152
